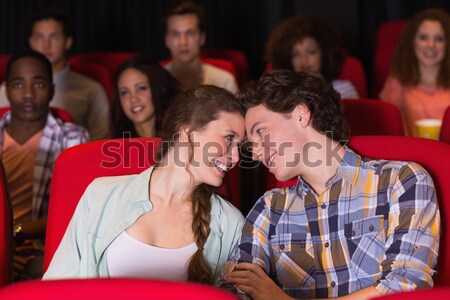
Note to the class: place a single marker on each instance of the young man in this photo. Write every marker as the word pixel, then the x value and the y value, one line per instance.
pixel 82 97
pixel 351 226
pixel 31 138
pixel 184 36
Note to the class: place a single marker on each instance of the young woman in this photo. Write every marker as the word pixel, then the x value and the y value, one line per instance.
pixel 419 81
pixel 143 91
pixel 166 222
pixel 307 44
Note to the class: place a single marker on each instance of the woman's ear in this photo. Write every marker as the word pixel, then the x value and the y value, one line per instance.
pixel 303 115
pixel 185 131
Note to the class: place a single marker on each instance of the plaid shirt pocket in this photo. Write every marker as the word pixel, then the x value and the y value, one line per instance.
pixel 293 259
pixel 366 240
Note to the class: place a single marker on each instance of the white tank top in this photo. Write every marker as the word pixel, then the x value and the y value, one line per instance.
pixel 129 257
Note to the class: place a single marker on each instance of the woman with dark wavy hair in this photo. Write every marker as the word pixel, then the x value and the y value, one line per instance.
pixel 143 90
pixel 167 222
pixel 419 81
pixel 303 43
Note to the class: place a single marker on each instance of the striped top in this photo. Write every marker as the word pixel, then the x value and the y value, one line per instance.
pixel 377 224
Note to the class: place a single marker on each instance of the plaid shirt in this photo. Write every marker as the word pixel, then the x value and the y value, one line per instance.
pixel 377 224
pixel 56 137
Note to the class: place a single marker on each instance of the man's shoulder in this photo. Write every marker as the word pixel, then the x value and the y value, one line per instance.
pixel 78 79
pixel 67 129
pixel 216 72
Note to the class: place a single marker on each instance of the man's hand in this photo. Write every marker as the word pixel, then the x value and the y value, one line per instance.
pixel 252 280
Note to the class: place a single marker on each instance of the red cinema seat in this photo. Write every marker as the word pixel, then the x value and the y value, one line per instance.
pixel 372 117
pixel 434 293
pixel 444 136
pixel 6 236
pixel 111 289
pixel 387 37
pixel 4 58
pixel 111 60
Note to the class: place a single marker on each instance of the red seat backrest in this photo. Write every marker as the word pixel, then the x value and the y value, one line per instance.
pixel 353 70
pixel 6 235
pixel 4 58
pixel 110 289
pixel 111 60
pixel 372 117
pixel 444 136
pixel 434 293
pixel 387 37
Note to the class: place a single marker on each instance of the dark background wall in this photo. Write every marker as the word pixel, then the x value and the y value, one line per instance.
pixel 135 25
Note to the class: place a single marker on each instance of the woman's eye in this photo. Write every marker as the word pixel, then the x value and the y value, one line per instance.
pixel 142 88
pixel 259 131
pixel 230 137
pixel 123 93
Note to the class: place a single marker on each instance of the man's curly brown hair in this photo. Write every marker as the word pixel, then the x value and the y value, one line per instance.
pixel 282 91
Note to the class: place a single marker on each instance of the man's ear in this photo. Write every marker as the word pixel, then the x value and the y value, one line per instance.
pixel 68 44
pixel 303 114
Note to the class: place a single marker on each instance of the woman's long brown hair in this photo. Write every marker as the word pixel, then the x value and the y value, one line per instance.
pixel 196 108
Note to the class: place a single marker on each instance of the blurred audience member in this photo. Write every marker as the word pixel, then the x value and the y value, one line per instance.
pixel 31 138
pixel 302 43
pixel 419 81
pixel 143 90
pixel 184 35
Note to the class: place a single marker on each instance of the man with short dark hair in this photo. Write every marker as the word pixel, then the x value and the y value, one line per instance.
pixel 184 36
pixel 351 226
pixel 31 139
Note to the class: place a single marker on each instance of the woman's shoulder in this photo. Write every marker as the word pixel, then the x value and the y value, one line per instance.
pixel 118 188
pixel 223 207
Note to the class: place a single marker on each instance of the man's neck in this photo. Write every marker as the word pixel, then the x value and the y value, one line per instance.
pixel 324 161
pixel 189 74
pixel 22 131
pixel 58 67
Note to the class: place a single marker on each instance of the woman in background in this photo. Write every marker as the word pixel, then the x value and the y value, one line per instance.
pixel 143 90
pixel 302 43
pixel 419 80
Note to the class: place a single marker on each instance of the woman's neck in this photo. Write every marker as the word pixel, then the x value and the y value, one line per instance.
pixel 428 76
pixel 170 185
pixel 146 129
